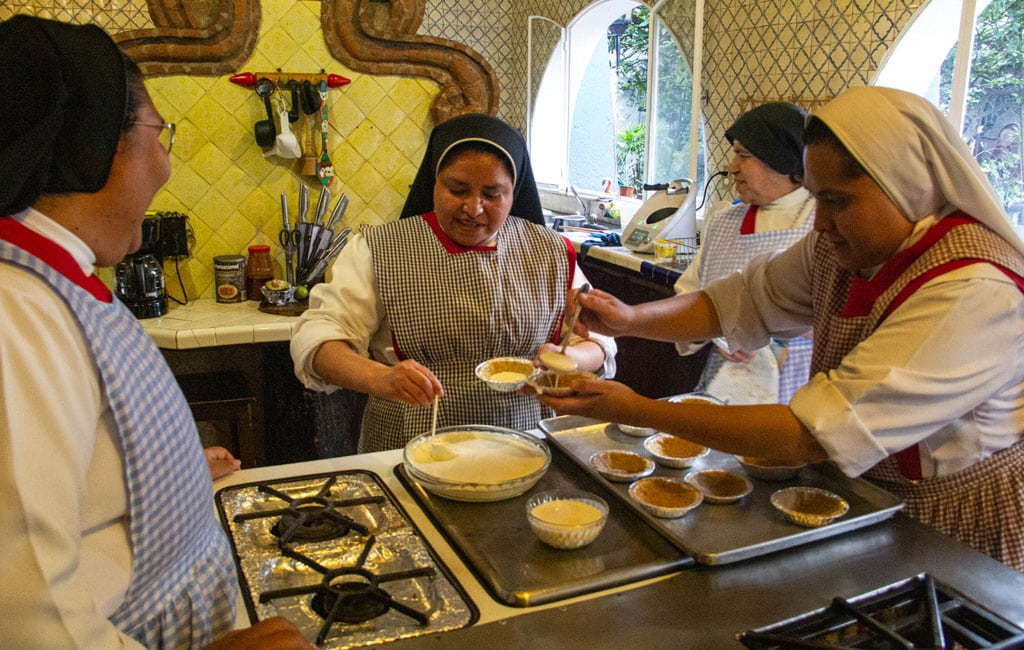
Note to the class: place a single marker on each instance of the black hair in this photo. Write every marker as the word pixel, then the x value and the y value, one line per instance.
pixel 137 95
pixel 817 132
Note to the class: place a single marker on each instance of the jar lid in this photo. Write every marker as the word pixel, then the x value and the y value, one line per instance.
pixel 259 248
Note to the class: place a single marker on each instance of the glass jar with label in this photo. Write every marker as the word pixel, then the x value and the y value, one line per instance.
pixel 259 270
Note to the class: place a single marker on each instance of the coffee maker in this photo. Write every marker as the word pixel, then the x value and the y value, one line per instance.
pixel 139 277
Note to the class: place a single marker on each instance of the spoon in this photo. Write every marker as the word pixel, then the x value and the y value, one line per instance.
pixel 438 451
pixel 560 361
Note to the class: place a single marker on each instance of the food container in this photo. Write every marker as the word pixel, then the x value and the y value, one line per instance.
pixel 668 498
pixel 809 507
pixel 557 384
pixel 720 485
pixel 621 466
pixel 567 519
pixel 769 470
pixel 673 451
pixel 278 292
pixel 487 464
pixel 505 374
pixel 636 432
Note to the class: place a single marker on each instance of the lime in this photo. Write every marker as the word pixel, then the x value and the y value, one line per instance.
pixel 301 292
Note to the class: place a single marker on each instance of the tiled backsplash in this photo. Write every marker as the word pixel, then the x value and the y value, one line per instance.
pixel 773 49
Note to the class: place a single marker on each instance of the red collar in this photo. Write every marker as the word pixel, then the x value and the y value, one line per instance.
pixel 53 256
pixel 446 241
pixel 749 226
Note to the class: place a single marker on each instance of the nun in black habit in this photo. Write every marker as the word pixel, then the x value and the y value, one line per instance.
pixel 469 273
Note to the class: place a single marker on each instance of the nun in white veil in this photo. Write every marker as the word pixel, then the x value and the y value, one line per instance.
pixel 913 280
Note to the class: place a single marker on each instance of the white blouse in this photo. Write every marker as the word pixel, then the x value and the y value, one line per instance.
pixel 944 370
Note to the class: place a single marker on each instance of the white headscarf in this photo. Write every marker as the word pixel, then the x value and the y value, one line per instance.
pixel 915 155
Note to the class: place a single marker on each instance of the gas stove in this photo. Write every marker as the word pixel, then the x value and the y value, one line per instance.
pixel 336 555
pixel 914 613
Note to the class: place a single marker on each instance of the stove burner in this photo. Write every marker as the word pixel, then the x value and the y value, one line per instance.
pixel 915 613
pixel 350 595
pixel 351 602
pixel 311 519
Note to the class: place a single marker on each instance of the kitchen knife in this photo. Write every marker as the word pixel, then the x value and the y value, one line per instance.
pixel 289 249
pixel 303 203
pixel 321 205
pixel 338 212
pixel 328 257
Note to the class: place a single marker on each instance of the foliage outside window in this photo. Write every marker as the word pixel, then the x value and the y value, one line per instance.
pixel 992 119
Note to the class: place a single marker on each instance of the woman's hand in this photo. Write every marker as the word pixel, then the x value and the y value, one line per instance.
pixel 737 356
pixel 602 313
pixel 277 633
pixel 609 401
pixel 221 462
pixel 408 382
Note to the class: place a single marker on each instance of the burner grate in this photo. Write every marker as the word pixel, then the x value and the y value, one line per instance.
pixel 915 613
pixel 337 555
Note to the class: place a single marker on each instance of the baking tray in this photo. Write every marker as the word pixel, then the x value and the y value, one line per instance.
pixel 725 533
pixel 495 541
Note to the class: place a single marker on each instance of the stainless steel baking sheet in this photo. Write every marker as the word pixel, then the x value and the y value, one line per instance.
pixel 724 533
pixel 519 570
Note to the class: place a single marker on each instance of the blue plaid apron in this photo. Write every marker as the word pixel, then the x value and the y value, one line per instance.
pixel 183 588
pixel 726 250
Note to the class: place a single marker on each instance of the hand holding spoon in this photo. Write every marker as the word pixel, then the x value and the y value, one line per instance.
pixel 560 361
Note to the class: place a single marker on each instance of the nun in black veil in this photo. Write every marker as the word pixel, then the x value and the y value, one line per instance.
pixel 106 530
pixel 468 273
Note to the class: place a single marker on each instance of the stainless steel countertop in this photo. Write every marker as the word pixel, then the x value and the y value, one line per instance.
pixel 700 607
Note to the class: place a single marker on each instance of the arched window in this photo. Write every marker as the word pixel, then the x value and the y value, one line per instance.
pixel 611 101
pixel 967 57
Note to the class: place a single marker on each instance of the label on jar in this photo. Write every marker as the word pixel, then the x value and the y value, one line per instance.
pixel 229 277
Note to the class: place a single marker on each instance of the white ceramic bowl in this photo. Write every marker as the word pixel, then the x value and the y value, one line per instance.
pixel 808 506
pixel 488 463
pixel 621 466
pixel 720 485
pixel 505 374
pixel 768 469
pixel 673 451
pixel 558 384
pixel 567 519
pixel 664 497
pixel 636 432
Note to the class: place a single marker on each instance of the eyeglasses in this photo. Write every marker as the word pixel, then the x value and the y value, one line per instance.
pixel 166 135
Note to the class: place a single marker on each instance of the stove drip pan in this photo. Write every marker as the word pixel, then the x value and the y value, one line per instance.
pixel 915 613
pixel 336 555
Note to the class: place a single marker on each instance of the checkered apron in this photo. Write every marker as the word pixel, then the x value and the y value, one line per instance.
pixel 727 250
pixel 982 505
pixel 182 591
pixel 452 310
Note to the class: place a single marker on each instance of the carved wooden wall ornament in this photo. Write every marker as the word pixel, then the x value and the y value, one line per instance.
pixel 200 37
pixel 212 37
pixel 379 37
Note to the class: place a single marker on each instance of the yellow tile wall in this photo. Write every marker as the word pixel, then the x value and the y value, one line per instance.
pixel 220 178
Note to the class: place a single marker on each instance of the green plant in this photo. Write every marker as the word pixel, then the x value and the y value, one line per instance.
pixel 629 156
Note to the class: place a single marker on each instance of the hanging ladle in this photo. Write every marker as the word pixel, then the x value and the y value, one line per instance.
pixel 264 129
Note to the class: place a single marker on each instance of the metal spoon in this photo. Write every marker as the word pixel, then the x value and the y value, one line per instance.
pixel 560 361
pixel 438 451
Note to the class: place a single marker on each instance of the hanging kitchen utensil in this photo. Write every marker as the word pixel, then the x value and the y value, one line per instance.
pixel 286 145
pixel 264 129
pixel 293 112
pixel 324 168
pixel 309 102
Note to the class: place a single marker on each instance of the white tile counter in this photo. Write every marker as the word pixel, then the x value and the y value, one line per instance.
pixel 206 323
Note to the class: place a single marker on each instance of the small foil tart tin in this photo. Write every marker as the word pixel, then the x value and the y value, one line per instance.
pixel 808 506
pixel 667 498
pixel 673 451
pixel 621 466
pixel 720 485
